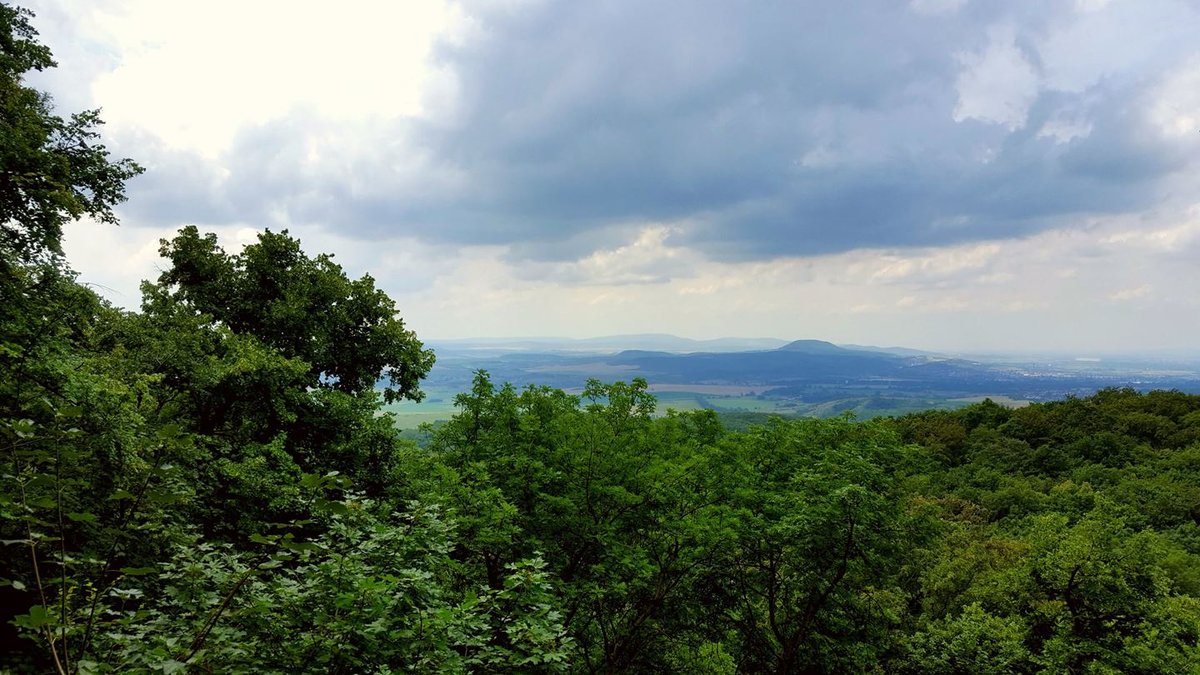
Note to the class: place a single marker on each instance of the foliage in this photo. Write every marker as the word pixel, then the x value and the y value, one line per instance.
pixel 820 530
pixel 367 595
pixel 346 331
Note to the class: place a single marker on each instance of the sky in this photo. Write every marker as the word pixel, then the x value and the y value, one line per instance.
pixel 963 175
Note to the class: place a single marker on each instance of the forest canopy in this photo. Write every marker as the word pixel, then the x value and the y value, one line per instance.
pixel 209 484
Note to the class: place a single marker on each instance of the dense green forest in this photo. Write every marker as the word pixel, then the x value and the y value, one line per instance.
pixel 208 484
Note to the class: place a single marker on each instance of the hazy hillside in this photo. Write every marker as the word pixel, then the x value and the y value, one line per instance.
pixel 808 362
pixel 800 377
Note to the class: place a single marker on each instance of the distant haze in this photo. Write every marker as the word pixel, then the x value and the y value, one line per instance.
pixel 800 377
pixel 665 342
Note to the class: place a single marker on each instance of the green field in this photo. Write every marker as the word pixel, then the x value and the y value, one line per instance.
pixel 439 405
pixel 681 400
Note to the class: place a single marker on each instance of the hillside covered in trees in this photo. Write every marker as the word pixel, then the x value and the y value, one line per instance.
pixel 207 484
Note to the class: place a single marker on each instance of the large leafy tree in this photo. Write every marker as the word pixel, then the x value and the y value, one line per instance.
pixel 347 331
pixel 273 357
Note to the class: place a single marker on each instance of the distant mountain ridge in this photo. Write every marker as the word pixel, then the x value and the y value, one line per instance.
pixel 805 369
pixel 813 347
pixel 898 351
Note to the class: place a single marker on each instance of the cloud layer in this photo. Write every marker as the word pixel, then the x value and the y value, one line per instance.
pixel 758 129
pixel 657 160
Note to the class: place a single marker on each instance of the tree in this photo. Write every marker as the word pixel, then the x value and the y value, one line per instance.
pixel 347 331
pixel 71 432
pixel 272 357
pixel 820 533
pixel 621 506
pixel 52 170
pixel 1102 587
pixel 972 642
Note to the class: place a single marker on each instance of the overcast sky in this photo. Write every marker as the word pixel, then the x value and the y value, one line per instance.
pixel 943 174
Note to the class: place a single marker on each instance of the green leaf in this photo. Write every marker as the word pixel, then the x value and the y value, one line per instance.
pixel 40 480
pixel 169 432
pixel 163 497
pixel 37 617
pixel 301 546
pixel 24 428
pixel 82 517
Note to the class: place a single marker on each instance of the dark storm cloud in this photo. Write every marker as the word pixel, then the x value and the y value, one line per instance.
pixel 769 128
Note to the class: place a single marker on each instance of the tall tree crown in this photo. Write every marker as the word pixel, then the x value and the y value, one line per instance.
pixel 348 331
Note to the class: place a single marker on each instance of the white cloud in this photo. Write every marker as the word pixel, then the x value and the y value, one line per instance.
pixel 113 260
pixel 1064 128
pixel 193 74
pixel 934 265
pixel 646 259
pixel 997 84
pixel 1115 41
pixel 1131 293
pixel 1173 236
pixel 1175 110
